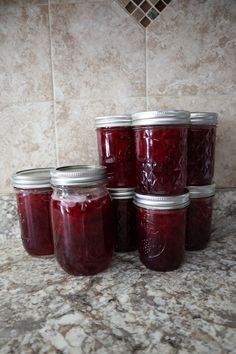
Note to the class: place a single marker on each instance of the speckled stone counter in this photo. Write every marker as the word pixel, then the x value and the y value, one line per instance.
pixel 127 309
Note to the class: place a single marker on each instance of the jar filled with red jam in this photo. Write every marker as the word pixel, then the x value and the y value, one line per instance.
pixel 199 217
pixel 161 224
pixel 82 219
pixel 161 151
pixel 201 148
pixel 124 215
pixel 33 195
pixel 116 149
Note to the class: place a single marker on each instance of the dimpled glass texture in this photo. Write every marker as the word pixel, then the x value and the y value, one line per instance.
pixel 83 233
pixel 161 159
pixel 201 154
pixel 161 238
pixel 116 152
pixel 199 223
pixel 34 217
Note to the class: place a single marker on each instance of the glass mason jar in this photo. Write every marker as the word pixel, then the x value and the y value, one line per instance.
pixel 161 224
pixel 82 219
pixel 199 217
pixel 116 150
pixel 201 148
pixel 33 195
pixel 161 151
pixel 124 215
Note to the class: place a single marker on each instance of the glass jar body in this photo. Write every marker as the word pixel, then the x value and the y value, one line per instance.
pixel 161 237
pixel 125 225
pixel 199 223
pixel 116 152
pixel 201 154
pixel 161 159
pixel 34 217
pixel 82 223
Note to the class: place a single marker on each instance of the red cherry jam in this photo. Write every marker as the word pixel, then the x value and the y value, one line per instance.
pixel 161 232
pixel 116 150
pixel 199 219
pixel 201 148
pixel 125 219
pixel 82 223
pixel 161 152
pixel 34 210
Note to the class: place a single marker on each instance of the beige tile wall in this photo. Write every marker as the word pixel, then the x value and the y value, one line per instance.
pixel 62 63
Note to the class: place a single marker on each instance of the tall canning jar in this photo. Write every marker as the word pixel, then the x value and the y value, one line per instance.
pixel 199 217
pixel 116 150
pixel 161 224
pixel 161 151
pixel 201 148
pixel 33 195
pixel 82 219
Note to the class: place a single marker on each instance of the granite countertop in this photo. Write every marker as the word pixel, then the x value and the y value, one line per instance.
pixel 127 309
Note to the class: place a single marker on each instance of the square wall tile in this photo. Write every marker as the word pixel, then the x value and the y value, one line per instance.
pixel 27 139
pixel 25 64
pixel 76 131
pixel 97 52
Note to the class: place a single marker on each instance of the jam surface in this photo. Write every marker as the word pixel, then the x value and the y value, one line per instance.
pixel 34 217
pixel 117 153
pixel 83 233
pixel 199 223
pixel 161 238
pixel 161 159
pixel 125 225
pixel 201 154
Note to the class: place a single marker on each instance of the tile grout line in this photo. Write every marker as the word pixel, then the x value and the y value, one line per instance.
pixel 146 71
pixel 53 83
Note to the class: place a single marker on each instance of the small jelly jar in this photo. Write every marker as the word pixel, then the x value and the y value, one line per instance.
pixel 82 219
pixel 33 195
pixel 161 151
pixel 161 223
pixel 199 217
pixel 201 148
pixel 116 149
pixel 124 215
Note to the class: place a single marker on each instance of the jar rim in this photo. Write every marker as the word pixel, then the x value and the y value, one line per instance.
pixel 121 193
pixel 169 117
pixel 203 118
pixel 158 202
pixel 201 191
pixel 32 178
pixel 78 175
pixel 122 120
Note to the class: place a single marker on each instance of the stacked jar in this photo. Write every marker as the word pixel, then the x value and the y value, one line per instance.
pixel 161 199
pixel 201 161
pixel 116 152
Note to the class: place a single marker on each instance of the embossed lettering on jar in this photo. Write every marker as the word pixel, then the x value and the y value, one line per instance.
pixel 199 217
pixel 161 224
pixel 201 148
pixel 33 195
pixel 161 151
pixel 82 219
pixel 116 149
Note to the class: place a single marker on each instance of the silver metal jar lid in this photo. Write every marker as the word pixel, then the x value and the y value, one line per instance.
pixel 32 178
pixel 113 121
pixel 208 118
pixel 78 175
pixel 161 202
pixel 121 193
pixel 202 191
pixel 160 118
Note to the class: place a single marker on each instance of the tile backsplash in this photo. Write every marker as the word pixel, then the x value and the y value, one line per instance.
pixel 64 62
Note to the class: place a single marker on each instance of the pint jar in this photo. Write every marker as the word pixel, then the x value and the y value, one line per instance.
pixel 201 148
pixel 199 217
pixel 161 224
pixel 116 149
pixel 82 219
pixel 33 195
pixel 161 151
pixel 124 216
